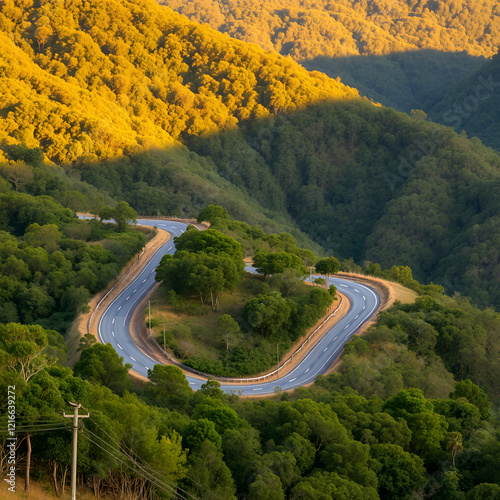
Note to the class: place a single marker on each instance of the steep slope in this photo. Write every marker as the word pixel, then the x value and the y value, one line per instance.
pixel 473 105
pixel 331 37
pixel 137 75
pixel 170 116
pixel 375 184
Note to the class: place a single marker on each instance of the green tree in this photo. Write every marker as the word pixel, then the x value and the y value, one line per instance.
pixel 484 491
pixel 199 431
pixel 266 486
pixel 400 472
pixel 241 448
pixel 328 266
pixel 88 340
pixel 228 328
pixel 22 349
pixel 18 173
pixel 168 387
pixel 211 242
pixel 208 477
pixel 267 313
pixel 454 444
pixel 124 215
pixel 101 364
pixel 428 428
pixel 474 394
pixel 212 212
pixel 278 262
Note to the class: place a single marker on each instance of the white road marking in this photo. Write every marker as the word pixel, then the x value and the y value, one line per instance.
pixel 307 370
pixel 258 389
pixel 357 317
pixel 144 280
pixel 147 367
pixel 325 349
pixel 335 338
pixel 347 327
pixel 292 379
pixel 119 346
pixel 152 271
pixel 345 286
pixel 364 307
pixel 113 322
pixel 128 297
pixel 191 383
pixel 133 359
pixel 364 298
pixel 356 290
pixel 135 290
pixel 119 307
pixel 113 333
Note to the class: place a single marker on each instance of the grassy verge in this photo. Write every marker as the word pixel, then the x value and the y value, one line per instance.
pixel 191 328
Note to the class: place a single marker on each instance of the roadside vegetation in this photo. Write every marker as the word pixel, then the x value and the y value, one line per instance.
pixel 411 411
pixel 223 321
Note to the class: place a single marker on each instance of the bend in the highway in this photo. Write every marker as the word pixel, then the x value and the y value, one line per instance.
pixel 114 326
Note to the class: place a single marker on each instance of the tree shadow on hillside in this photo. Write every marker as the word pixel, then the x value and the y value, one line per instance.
pixel 405 80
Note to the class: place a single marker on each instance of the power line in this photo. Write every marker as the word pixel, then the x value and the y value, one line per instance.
pixel 155 481
pixel 143 461
pixel 151 472
pixel 34 429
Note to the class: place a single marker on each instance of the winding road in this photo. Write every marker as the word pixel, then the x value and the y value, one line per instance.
pixel 114 324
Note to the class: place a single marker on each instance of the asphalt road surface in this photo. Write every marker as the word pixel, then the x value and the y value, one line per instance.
pixel 114 326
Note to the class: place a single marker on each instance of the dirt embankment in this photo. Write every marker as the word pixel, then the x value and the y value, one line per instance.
pixel 147 344
pixel 388 292
pixel 81 324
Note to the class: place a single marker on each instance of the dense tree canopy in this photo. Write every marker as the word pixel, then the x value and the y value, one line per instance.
pixel 404 54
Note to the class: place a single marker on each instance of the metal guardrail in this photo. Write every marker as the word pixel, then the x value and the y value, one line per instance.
pixel 250 379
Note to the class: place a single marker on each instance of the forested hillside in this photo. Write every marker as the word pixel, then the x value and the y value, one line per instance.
pixel 405 54
pixel 92 80
pixel 408 414
pixel 170 116
pixel 474 104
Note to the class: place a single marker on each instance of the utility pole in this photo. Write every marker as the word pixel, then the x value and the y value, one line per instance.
pixel 149 307
pixel 278 356
pixel 75 417
pixel 310 275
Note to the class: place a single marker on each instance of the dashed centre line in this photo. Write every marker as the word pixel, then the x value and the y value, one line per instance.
pixel 119 346
pixel 113 322
pixel 133 359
